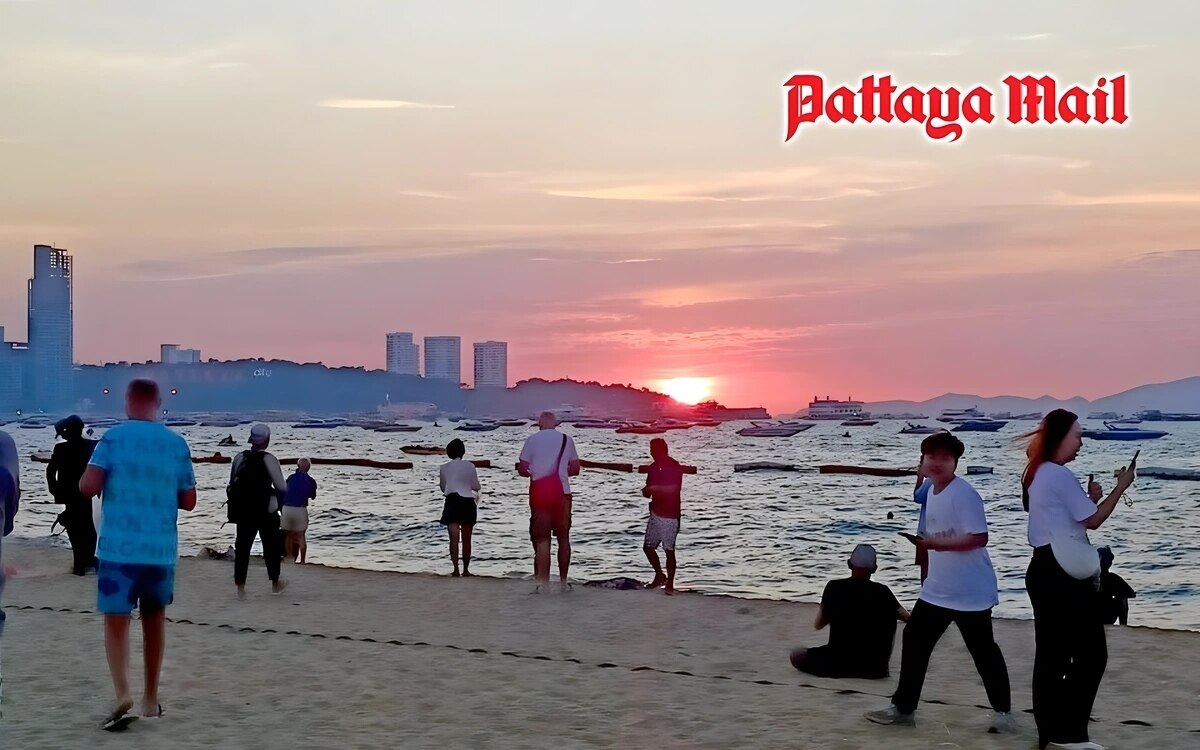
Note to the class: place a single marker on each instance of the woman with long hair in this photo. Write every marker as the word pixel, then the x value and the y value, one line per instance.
pixel 1071 650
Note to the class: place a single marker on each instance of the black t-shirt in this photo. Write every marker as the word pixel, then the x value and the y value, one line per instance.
pixel 862 625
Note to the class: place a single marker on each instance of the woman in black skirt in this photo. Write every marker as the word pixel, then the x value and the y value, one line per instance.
pixel 460 483
pixel 1071 652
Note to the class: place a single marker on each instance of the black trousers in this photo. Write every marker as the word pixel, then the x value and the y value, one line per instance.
pixel 267 529
pixel 81 530
pixel 921 634
pixel 1072 652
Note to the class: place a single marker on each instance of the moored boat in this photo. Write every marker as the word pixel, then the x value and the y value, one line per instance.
pixel 980 425
pixel 1114 432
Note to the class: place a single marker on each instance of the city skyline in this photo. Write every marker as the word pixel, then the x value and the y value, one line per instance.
pixel 629 213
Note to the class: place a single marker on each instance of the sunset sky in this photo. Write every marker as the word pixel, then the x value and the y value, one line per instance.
pixel 605 186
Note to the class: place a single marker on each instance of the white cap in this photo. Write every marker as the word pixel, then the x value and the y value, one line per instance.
pixel 260 434
pixel 863 558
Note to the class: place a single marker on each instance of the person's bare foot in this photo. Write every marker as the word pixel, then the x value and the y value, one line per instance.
pixel 241 592
pixel 467 573
pixel 564 586
pixel 659 579
pixel 455 574
pixel 151 708
pixel 669 588
pixel 278 586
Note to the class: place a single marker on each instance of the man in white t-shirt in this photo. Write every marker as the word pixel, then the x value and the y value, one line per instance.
pixel 960 588
pixel 549 459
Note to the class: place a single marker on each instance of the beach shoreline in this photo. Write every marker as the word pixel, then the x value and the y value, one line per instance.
pixel 359 658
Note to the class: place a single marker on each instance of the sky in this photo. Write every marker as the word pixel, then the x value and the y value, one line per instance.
pixel 606 186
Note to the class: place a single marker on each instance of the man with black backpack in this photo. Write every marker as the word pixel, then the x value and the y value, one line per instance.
pixel 256 488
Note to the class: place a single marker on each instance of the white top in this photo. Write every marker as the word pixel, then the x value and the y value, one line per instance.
pixel 1058 506
pixel 541 449
pixel 962 581
pixel 460 478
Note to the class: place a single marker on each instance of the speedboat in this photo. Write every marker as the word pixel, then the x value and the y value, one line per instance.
pixel 860 422
pixel 511 422
pixel 1113 432
pixel 766 429
pixel 920 429
pixel 597 424
pixel 980 425
pixel 103 423
pixel 789 423
pixel 180 422
pixel 221 423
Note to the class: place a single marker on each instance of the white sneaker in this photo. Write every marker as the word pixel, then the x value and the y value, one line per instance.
pixel 1074 746
pixel 891 715
pixel 1002 723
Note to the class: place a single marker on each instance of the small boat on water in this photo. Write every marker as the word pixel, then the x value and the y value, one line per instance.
pixel 477 426
pixel 398 428
pixel 640 429
pixel 221 423
pixel 977 470
pixel 320 424
pixel 180 422
pixel 1161 472
pixel 980 425
pixel 104 423
pixel 597 424
pixel 1125 420
pixel 1114 432
pixel 920 429
pixel 860 422
pixel 511 422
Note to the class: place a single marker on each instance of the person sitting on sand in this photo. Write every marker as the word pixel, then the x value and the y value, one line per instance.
pixel 294 519
pixel 861 615
pixel 460 483
pixel 549 459
pixel 664 485
pixel 1115 593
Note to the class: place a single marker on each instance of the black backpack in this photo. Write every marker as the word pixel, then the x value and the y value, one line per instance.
pixel 250 492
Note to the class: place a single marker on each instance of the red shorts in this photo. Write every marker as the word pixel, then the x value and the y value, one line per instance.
pixel 546 519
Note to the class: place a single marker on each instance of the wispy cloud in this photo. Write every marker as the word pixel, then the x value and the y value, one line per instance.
pixel 432 194
pixel 227 65
pixel 1031 37
pixel 379 104
pixel 860 179
pixel 1047 161
pixel 1125 199
pixel 632 260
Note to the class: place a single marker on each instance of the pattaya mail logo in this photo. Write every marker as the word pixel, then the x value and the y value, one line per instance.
pixel 946 112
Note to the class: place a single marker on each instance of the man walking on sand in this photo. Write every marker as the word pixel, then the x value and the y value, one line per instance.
pixel 549 459
pixel 664 485
pixel 143 474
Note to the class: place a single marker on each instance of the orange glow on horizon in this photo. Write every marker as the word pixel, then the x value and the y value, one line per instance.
pixel 687 390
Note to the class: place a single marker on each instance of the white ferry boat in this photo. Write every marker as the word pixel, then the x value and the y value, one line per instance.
pixel 828 408
pixel 958 416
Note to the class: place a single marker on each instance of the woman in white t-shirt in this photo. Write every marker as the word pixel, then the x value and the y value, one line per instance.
pixel 460 483
pixel 1071 650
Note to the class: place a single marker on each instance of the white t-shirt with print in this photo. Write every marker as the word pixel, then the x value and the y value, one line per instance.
pixel 1058 506
pixel 540 451
pixel 962 581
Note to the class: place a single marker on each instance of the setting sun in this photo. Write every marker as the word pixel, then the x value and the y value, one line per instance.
pixel 687 390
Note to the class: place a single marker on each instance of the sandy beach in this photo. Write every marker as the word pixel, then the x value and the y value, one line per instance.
pixel 357 659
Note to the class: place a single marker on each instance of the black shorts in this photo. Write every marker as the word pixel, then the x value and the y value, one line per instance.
pixel 460 510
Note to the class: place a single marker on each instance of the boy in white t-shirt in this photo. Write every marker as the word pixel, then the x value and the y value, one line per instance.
pixel 960 588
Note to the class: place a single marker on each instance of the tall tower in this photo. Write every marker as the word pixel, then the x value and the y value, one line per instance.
pixel 491 364
pixel 51 339
pixel 403 356
pixel 443 358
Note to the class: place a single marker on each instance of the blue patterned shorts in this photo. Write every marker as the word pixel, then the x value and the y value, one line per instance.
pixel 123 586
